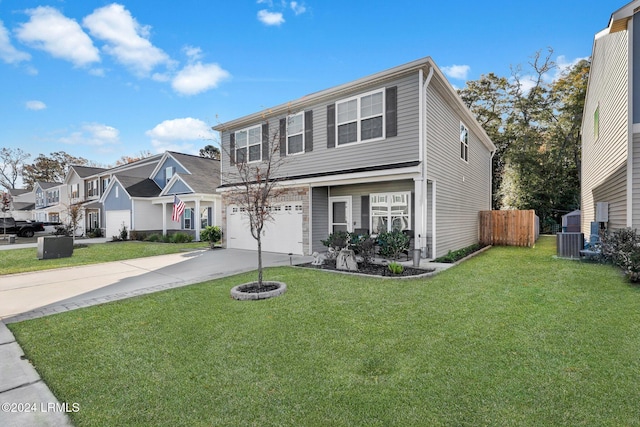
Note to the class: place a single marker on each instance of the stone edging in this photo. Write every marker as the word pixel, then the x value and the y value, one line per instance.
pixel 478 252
pixel 237 294
pixel 375 276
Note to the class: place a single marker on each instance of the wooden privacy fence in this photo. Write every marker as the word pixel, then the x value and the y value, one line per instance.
pixel 509 228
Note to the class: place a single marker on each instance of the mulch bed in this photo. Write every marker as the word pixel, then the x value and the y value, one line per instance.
pixel 370 269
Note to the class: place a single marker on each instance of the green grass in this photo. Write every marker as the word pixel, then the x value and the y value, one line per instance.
pixel 24 260
pixel 512 337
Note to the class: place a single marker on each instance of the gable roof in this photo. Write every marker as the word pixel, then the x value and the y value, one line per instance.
pixel 85 171
pixel 138 187
pixel 18 191
pixel 46 185
pixel 426 64
pixel 620 18
pixel 204 174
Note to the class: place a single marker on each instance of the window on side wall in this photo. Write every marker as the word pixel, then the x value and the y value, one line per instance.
pixel 360 118
pixel 249 144
pixel 596 123
pixel 295 133
pixel 464 142
pixel 187 219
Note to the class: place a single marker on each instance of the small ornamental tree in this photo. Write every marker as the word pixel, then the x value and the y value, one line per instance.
pixel 255 184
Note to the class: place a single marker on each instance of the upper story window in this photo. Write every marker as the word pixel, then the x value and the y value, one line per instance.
pixel 360 118
pixel 464 142
pixel 168 174
pixel 249 144
pixel 295 133
pixel 75 191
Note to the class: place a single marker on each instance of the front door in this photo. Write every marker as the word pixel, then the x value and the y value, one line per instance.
pixel 340 214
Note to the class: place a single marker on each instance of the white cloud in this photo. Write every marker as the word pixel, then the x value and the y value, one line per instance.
pixel 563 65
pixel 35 105
pixel 458 72
pixel 193 53
pixel 125 39
pixel 58 35
pixel 298 8
pixel 95 134
pixel 270 18
pixel 8 53
pixel 197 78
pixel 179 135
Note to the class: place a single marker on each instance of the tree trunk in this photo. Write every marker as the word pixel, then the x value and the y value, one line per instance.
pixel 259 261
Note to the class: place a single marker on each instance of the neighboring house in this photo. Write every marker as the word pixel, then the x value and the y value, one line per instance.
pixel 22 204
pixel 50 199
pixel 83 188
pixel 611 125
pixel 145 203
pixel 397 150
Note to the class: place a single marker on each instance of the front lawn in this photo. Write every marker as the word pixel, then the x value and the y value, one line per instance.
pixel 26 259
pixel 511 337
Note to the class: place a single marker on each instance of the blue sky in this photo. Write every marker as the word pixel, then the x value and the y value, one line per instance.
pixel 101 80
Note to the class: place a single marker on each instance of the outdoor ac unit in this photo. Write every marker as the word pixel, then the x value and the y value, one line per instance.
pixel 602 212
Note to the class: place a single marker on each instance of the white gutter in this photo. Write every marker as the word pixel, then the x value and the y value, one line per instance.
pixel 424 84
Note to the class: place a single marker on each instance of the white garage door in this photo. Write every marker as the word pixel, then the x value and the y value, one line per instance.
pixel 114 221
pixel 283 234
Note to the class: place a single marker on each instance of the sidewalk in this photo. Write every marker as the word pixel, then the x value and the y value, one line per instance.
pixel 25 399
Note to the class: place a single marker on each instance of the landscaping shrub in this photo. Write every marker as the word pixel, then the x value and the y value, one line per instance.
pixel 393 243
pixel 155 237
pixel 95 233
pixel 181 238
pixel 337 241
pixel 622 248
pixel 453 256
pixel 211 234
pixel 138 235
pixel 364 246
pixel 395 268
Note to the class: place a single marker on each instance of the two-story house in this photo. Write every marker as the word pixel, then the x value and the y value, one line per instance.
pixel 83 190
pixel 611 125
pixel 396 150
pixel 144 202
pixel 49 201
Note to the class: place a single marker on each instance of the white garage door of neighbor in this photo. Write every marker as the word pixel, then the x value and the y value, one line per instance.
pixel 283 234
pixel 115 219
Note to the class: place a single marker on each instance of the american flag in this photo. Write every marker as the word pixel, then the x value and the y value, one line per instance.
pixel 178 209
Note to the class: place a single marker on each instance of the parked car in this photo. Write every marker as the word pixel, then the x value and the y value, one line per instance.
pixel 9 225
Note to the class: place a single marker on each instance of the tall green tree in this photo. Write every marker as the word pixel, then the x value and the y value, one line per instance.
pixel 534 121
pixel 51 168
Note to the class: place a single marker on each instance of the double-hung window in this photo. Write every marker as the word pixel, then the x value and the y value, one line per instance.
pixel 295 133
pixel 360 118
pixel 464 143
pixel 249 144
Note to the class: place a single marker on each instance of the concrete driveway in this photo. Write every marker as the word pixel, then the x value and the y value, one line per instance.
pixel 30 295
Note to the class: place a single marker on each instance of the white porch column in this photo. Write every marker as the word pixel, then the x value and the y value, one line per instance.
pixel 419 212
pixel 164 218
pixel 198 220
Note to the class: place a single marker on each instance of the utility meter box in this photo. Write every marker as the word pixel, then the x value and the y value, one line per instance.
pixel 602 212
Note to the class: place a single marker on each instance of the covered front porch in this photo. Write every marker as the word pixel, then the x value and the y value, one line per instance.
pixel 201 210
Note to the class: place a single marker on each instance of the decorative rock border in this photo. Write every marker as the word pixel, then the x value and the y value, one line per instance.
pixel 237 292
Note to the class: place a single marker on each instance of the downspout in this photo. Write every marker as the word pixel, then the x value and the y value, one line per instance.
pixel 423 157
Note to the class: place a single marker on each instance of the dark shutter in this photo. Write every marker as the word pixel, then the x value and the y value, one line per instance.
pixel 209 216
pixel 283 137
pixel 308 131
pixel 232 148
pixel 364 212
pixel 392 111
pixel 331 126
pixel 265 142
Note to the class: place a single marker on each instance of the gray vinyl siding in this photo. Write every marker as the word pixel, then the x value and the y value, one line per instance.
pixel 601 158
pixel 319 218
pixel 398 149
pixel 462 188
pixel 613 191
